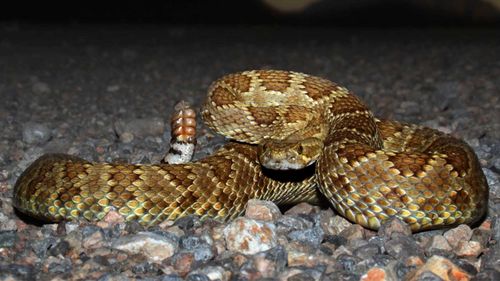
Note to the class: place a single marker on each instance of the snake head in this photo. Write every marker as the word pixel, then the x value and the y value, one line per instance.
pixel 289 155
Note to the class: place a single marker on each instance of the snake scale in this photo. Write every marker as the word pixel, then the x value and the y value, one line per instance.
pixel 369 169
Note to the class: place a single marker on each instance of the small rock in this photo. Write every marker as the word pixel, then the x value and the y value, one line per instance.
pixel 94 240
pixel 290 223
pixel 353 232
pixel 366 252
pixel 301 255
pixel 140 127
pixel 270 262
pixel 333 225
pixel 201 250
pixel 71 226
pixel 154 246
pixel 126 137
pixel 348 262
pixel 183 262
pixel 468 249
pixel 482 236
pixel 40 88
pixel 402 246
pixel 378 274
pixel 487 275
pixel 60 249
pixel 495 228
pixel 311 236
pixel 437 242
pixel 262 210
pixel 213 273
pixel 171 277
pixel 438 268
pixel 36 133
pixel 249 236
pixel 458 234
pixel 113 88
pixel 197 277
pixel 394 226
pixel 302 208
pixel 7 224
pixel 41 246
pixel 7 239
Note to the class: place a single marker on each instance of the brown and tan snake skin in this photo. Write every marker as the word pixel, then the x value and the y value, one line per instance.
pixel 370 170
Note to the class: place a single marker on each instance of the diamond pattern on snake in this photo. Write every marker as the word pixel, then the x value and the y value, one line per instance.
pixel 278 121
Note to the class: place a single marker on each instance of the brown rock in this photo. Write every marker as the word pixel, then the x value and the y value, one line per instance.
pixel 440 267
pixel 394 226
pixel 458 234
pixel 94 241
pixel 333 224
pixel 468 249
pixel 302 209
pixel 377 274
pixel 353 232
pixel 437 242
pixel 182 262
pixel 262 210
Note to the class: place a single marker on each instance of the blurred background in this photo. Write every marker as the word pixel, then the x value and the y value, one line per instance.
pixel 336 12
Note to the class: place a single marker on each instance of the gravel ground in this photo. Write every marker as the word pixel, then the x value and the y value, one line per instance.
pixel 105 93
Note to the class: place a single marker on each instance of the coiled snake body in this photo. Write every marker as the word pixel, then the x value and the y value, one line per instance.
pixel 370 170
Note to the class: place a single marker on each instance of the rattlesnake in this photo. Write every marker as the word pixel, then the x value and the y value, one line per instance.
pixel 369 169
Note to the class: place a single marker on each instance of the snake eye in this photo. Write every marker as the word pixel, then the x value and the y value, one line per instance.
pixel 300 149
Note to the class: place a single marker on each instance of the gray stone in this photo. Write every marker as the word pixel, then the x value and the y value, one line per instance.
pixel 312 236
pixel 367 251
pixel 36 133
pixel 8 239
pixel 394 226
pixel 155 247
pixel 402 246
pixel 40 88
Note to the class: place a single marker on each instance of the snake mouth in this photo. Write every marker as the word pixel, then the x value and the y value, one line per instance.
pixel 285 164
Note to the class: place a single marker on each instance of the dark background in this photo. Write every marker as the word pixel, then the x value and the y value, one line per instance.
pixel 336 13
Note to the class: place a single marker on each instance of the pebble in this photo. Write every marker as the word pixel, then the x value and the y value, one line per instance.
pixel 378 274
pixel 248 236
pixel 437 242
pixel 394 226
pixel 40 88
pixel 468 249
pixel 402 246
pixel 262 210
pixel 438 268
pixel 8 238
pixel 312 236
pixel 7 224
pixel 212 273
pixel 154 246
pixel 94 239
pixel 36 133
pixel 366 251
pixel 139 127
pixel 302 208
pixel 201 250
pixel 333 225
pixel 458 234
pixel 290 223
pixel 353 232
